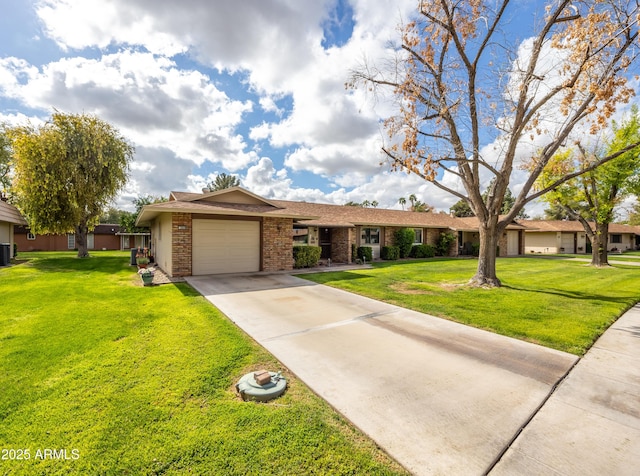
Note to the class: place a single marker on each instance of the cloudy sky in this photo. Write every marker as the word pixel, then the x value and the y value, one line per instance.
pixel 253 88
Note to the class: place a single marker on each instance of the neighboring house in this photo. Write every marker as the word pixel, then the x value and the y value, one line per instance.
pixel 565 236
pixel 9 217
pixel 233 230
pixel 103 237
pixel 511 243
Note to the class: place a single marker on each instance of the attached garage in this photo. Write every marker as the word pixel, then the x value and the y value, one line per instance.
pixel 567 243
pixel 513 243
pixel 225 246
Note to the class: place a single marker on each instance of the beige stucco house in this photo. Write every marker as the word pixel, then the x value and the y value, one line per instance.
pixel 9 216
pixel 560 236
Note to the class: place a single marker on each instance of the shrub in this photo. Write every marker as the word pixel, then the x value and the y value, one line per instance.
pixel 365 253
pixel 354 252
pixel 390 252
pixel 423 251
pixel 475 249
pixel 444 243
pixel 403 239
pixel 306 256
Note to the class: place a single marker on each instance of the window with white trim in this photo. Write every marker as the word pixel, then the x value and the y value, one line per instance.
pixel 71 241
pixel 417 240
pixel 90 241
pixel 31 236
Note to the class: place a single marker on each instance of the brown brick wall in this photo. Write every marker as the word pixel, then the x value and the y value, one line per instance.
pixel 277 244
pixel 502 244
pixel 181 244
pixel 341 245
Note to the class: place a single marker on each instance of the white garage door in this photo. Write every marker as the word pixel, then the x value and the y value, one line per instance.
pixel 568 240
pixel 225 246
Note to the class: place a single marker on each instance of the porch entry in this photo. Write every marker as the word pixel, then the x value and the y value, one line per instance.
pixel 324 238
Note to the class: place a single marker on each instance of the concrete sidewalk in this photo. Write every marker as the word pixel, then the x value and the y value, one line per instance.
pixel 439 397
pixel 591 423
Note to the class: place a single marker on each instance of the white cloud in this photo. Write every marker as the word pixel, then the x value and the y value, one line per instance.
pixel 148 98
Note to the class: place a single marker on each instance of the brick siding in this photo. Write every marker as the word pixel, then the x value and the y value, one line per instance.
pixel 277 244
pixel 181 244
pixel 340 245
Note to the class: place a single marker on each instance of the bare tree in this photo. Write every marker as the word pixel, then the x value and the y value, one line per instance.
pixel 461 83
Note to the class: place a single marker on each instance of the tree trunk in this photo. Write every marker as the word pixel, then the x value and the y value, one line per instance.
pixel 599 255
pixel 486 273
pixel 81 240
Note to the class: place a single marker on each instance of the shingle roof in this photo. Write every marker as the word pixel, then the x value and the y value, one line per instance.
pixel 349 216
pixel 570 226
pixel 10 214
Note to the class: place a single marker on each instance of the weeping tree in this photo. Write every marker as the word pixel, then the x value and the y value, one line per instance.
pixel 66 173
pixel 592 197
pixel 473 105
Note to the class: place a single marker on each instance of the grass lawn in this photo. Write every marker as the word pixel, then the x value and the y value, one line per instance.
pixel 561 304
pixel 123 379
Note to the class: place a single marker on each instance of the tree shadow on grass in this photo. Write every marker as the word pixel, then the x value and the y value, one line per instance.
pixel 94 264
pixel 575 294
pixel 329 277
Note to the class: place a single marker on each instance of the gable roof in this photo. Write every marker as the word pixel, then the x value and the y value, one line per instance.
pixel 234 201
pixel 10 214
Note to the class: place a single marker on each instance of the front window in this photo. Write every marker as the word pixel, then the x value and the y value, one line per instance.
pixel 71 241
pixel 418 236
pixel 31 236
pixel 90 241
pixel 370 236
pixel 616 238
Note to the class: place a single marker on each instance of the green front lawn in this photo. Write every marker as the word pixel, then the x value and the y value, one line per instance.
pixel 122 379
pixel 558 303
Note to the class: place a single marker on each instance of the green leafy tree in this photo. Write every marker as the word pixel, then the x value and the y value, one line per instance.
pixel 421 207
pixel 573 69
pixel 591 198
pixel 67 171
pixel 128 219
pixel 461 209
pixel 403 239
pixel 112 215
pixel 223 181
pixel 556 212
pixel 5 163
pixel 634 214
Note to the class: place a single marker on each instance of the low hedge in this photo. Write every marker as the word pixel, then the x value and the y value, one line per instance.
pixel 423 251
pixel 306 256
pixel 390 252
pixel 365 253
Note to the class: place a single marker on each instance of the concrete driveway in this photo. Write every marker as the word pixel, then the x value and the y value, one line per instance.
pixel 439 397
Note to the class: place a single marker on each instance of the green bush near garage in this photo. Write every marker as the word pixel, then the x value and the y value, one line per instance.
pixel 306 256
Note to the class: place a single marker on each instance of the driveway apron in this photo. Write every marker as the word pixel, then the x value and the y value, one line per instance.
pixel 439 397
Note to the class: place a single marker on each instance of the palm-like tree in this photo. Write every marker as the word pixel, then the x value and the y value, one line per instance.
pixel 402 201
